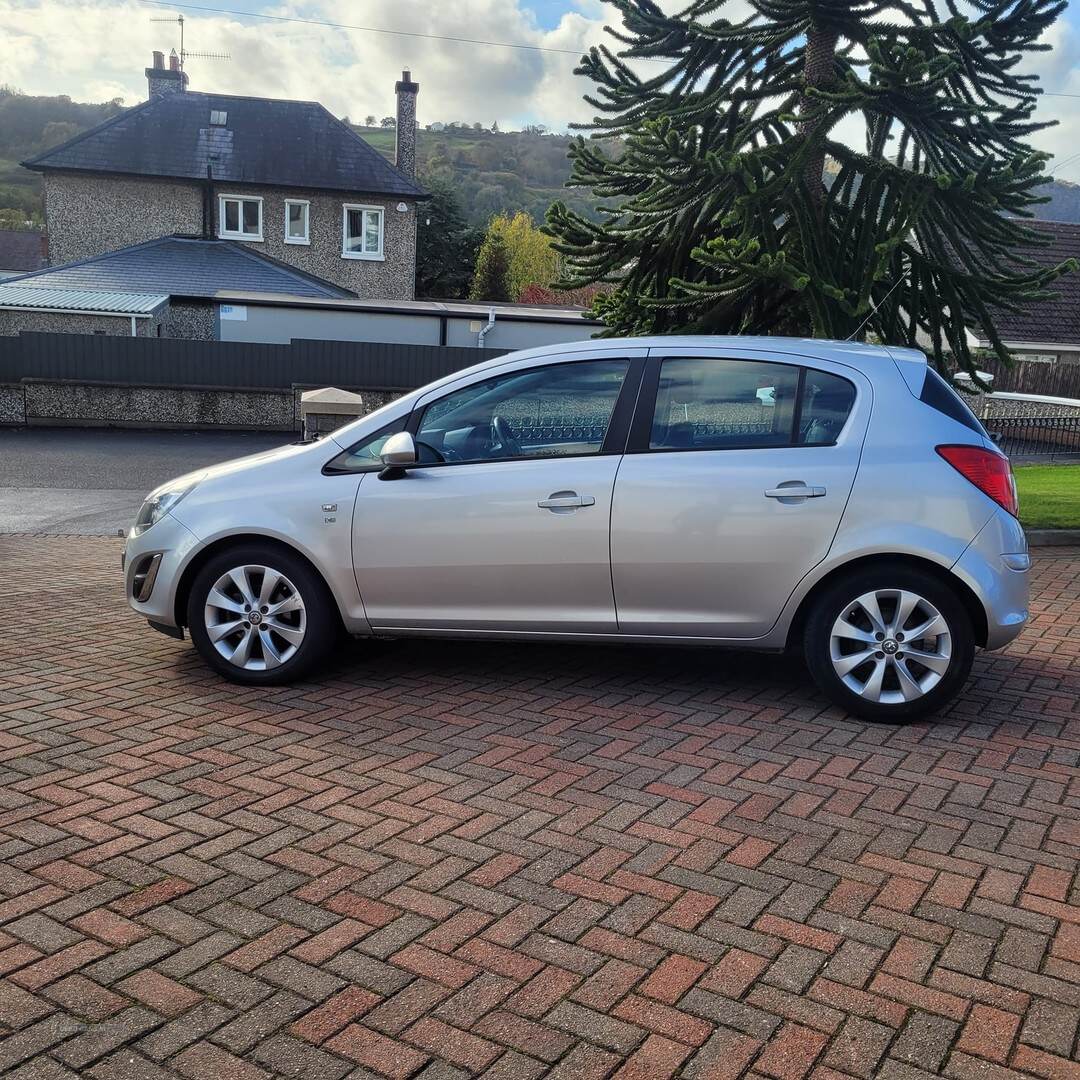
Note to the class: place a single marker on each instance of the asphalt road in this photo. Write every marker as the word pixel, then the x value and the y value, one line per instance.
pixel 92 481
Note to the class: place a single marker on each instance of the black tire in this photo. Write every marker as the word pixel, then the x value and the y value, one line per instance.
pixel 321 624
pixel 844 593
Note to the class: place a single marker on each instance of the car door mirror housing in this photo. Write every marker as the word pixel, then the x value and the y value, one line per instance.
pixel 398 452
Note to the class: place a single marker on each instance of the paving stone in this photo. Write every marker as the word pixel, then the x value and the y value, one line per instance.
pixel 520 861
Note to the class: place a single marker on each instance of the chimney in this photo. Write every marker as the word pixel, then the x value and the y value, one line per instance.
pixel 405 149
pixel 166 80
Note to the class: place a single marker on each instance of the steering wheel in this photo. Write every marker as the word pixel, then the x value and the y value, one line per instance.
pixel 500 429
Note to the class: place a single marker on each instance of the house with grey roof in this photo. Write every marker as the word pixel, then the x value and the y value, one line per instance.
pixel 21 250
pixel 1047 332
pixel 164 288
pixel 282 192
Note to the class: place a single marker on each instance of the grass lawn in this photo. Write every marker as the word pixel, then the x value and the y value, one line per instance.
pixel 1049 496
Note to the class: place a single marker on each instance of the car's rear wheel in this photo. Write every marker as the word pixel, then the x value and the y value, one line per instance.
pixel 889 643
pixel 260 615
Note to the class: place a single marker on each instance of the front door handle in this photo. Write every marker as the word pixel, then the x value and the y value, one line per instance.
pixel 794 491
pixel 566 500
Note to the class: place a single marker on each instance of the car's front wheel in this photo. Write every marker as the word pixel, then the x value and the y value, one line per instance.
pixel 889 643
pixel 259 615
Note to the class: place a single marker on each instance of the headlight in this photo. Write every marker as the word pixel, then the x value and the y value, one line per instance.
pixel 160 501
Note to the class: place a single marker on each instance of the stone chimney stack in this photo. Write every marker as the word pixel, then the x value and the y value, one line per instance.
pixel 405 149
pixel 166 80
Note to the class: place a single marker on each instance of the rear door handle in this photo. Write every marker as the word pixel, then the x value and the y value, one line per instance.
pixel 795 491
pixel 566 500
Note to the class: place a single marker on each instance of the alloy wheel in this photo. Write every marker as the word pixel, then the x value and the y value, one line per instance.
pixel 890 646
pixel 255 617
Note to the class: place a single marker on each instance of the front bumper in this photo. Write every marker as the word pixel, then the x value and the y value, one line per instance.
pixel 153 563
pixel 995 567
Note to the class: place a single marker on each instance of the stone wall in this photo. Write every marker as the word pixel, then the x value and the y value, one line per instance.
pixel 68 403
pixel 989 408
pixel 392 278
pixel 12 405
pixel 88 215
pixel 58 322
pixel 191 320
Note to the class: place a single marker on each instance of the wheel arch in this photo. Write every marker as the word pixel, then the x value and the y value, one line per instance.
pixel 974 608
pixel 217 547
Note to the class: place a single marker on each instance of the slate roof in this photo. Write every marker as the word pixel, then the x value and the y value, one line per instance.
pixel 263 141
pixel 1054 322
pixel 21 250
pixel 181 267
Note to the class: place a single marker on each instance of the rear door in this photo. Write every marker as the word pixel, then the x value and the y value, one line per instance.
pixel 736 476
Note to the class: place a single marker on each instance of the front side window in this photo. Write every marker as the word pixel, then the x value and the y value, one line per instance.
pixel 705 404
pixel 297 213
pixel 362 232
pixel 240 218
pixel 557 411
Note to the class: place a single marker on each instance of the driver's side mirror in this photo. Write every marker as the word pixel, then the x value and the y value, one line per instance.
pixel 398 452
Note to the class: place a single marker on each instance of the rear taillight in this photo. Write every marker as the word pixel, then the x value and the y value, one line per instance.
pixel 988 470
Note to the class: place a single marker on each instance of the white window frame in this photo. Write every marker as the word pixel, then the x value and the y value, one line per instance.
pixel 371 256
pixel 225 234
pixel 306 238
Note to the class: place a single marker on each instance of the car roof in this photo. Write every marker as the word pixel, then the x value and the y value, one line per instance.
pixel 910 363
pixel 856 354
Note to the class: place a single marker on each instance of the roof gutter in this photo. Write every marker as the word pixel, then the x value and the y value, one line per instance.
pixel 79 311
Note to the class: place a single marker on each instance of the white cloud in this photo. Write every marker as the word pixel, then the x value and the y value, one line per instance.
pixel 99 52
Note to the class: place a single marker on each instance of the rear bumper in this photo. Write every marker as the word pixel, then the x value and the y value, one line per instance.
pixel 994 567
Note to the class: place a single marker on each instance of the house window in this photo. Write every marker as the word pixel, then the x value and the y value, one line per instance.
pixel 362 232
pixel 240 217
pixel 1035 358
pixel 297 214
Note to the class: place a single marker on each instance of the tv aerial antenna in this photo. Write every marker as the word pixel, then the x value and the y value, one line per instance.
pixel 184 53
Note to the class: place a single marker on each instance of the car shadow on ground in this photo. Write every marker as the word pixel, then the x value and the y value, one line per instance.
pixel 711 683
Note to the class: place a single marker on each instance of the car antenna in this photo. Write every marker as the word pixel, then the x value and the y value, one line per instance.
pixel 874 308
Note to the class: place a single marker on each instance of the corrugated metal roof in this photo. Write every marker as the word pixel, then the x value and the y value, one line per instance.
pixel 105 303
pixel 182 267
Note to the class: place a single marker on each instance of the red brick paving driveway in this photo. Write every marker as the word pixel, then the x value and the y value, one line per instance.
pixel 447 860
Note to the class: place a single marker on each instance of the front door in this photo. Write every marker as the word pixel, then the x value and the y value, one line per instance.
pixel 504 527
pixel 735 480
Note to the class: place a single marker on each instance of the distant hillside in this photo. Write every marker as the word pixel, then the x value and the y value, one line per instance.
pixel 29 125
pixel 491 171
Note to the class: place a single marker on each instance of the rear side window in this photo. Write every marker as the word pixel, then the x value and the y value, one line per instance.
pixel 705 404
pixel 824 408
pixel 938 394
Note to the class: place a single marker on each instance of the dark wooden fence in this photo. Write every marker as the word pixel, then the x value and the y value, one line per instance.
pixel 169 362
pixel 1031 377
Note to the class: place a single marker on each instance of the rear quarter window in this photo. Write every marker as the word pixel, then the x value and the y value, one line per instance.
pixel 939 395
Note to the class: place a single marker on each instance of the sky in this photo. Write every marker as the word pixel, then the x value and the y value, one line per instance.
pixel 96 50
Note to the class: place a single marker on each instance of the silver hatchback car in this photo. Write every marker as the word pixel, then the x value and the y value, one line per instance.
pixel 760 493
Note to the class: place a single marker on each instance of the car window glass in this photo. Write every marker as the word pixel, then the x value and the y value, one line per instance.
pixel 364 455
pixel 716 404
pixel 552 411
pixel 826 403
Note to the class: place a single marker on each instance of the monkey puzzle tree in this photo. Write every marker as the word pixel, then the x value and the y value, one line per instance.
pixel 827 167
